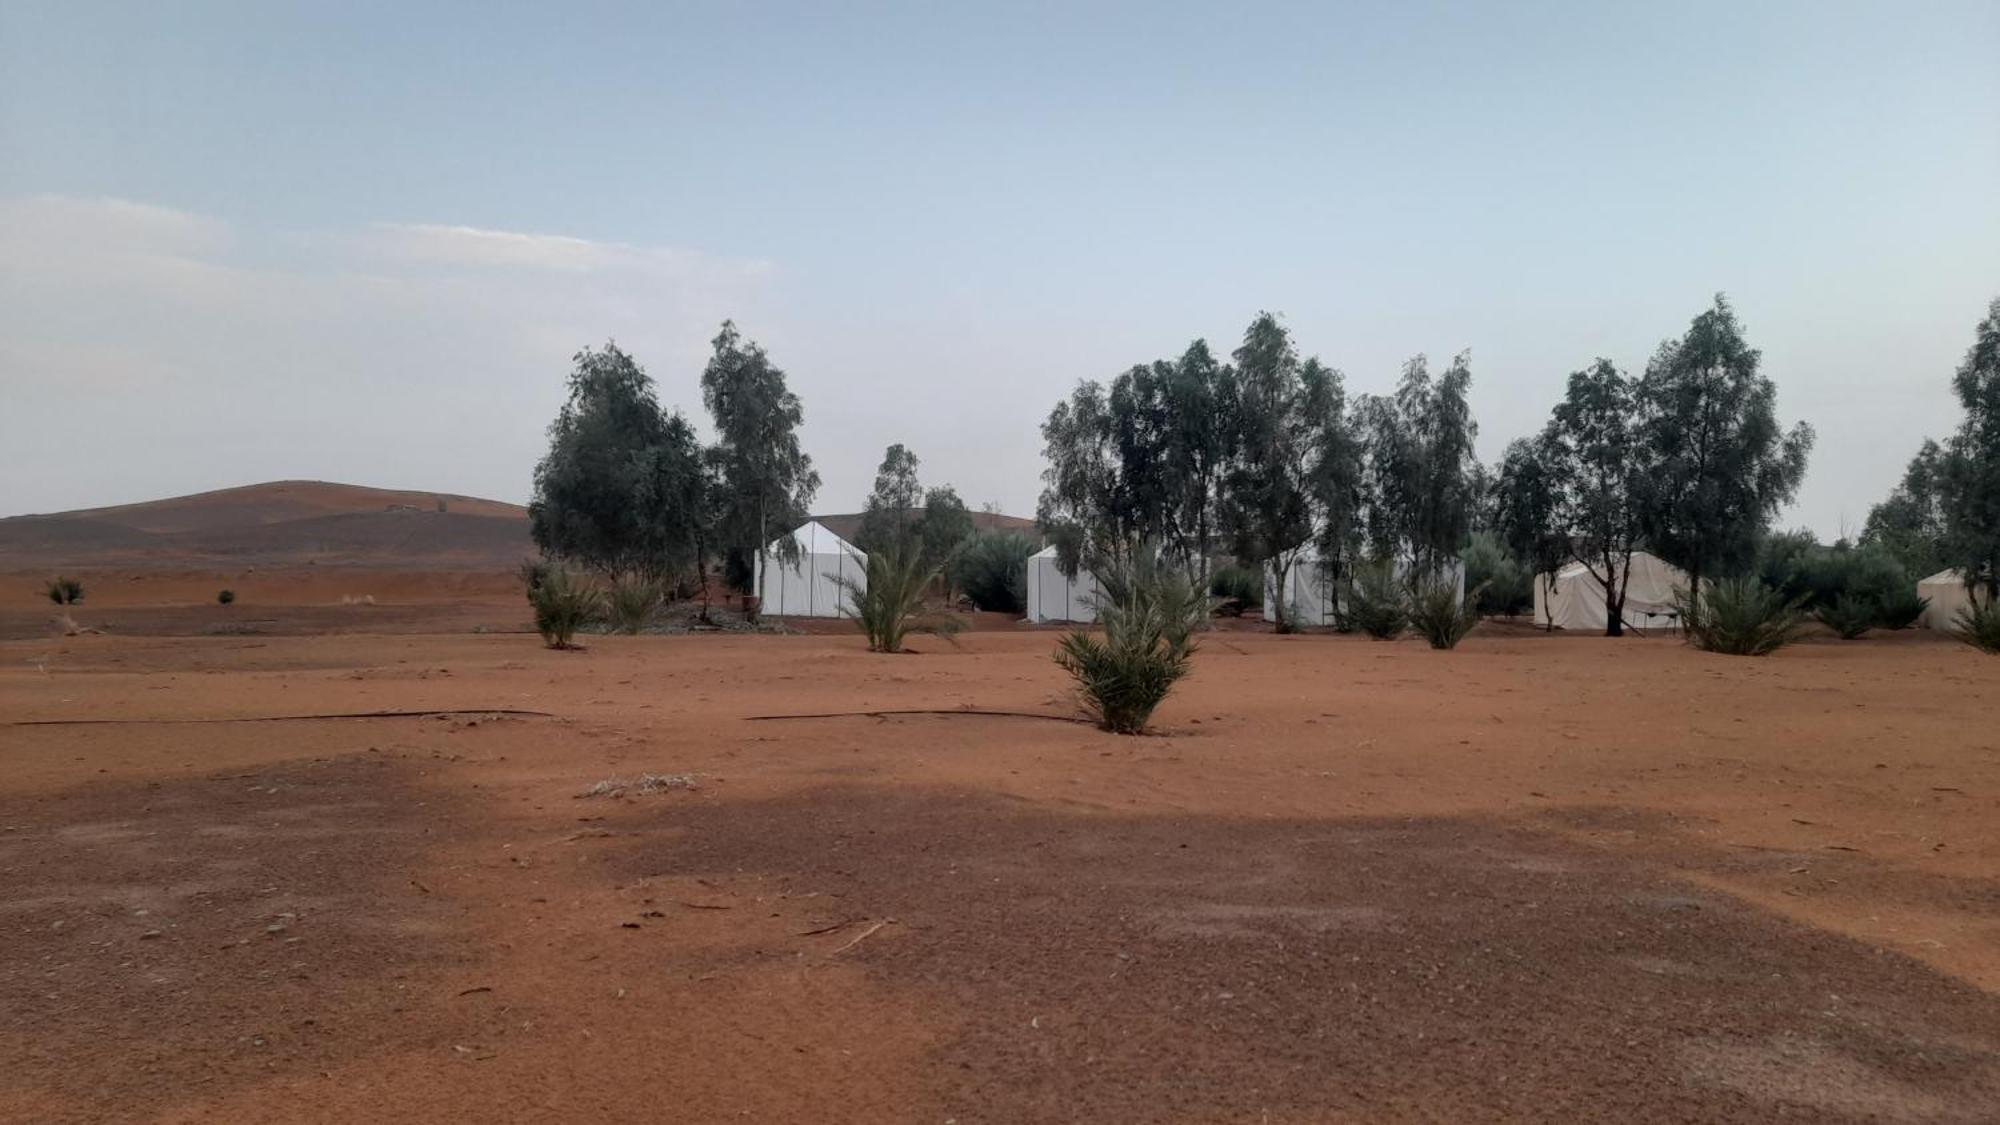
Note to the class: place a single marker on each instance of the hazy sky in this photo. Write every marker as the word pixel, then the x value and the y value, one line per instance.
pixel 362 242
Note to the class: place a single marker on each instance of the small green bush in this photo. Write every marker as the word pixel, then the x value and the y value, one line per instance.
pixel 1506 588
pixel 1900 608
pixel 632 601
pixel 1149 612
pixel 1849 616
pixel 65 591
pixel 1375 603
pixel 1437 612
pixel 1742 617
pixel 1240 588
pixel 893 602
pixel 225 597
pixel 563 604
pixel 1979 625
pixel 991 569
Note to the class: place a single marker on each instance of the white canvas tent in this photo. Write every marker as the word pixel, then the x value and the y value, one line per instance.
pixel 807 589
pixel 1053 596
pixel 1311 597
pixel 1572 599
pixel 1947 592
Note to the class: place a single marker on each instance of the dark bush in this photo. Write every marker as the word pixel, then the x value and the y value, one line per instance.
pixel 1742 617
pixel 1979 625
pixel 1849 616
pixel 65 591
pixel 1149 612
pixel 563 604
pixel 1376 605
pixel 992 569
pixel 225 597
pixel 1505 587
pixel 632 601
pixel 1440 615
pixel 1900 609
pixel 1240 588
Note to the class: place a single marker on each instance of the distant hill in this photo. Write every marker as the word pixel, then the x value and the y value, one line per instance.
pixel 848 525
pixel 279 523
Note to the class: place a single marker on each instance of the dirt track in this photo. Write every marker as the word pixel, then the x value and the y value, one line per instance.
pixel 1534 879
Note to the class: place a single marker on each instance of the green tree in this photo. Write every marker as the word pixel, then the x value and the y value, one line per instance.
pixel 1971 474
pixel 943 527
pixel 1087 509
pixel 1597 476
pixel 1524 509
pixel 764 481
pixel 1334 477
pixel 1910 524
pixel 1720 465
pixel 1144 459
pixel 1420 466
pixel 621 488
pixel 1267 507
pixel 892 504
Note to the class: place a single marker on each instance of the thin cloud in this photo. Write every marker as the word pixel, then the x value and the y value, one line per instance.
pixel 427 354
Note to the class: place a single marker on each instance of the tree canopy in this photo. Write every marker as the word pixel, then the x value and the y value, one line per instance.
pixel 623 486
pixel 765 481
pixel 1720 466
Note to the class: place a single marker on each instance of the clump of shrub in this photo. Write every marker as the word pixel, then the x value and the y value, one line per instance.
pixel 1979 625
pixel 894 602
pixel 225 597
pixel 1439 614
pixel 563 605
pixel 1741 617
pixel 991 569
pixel 1504 586
pixel 1849 616
pixel 1801 569
pixel 65 591
pixel 533 573
pixel 1900 608
pixel 1149 612
pixel 1375 604
pixel 1240 589
pixel 632 601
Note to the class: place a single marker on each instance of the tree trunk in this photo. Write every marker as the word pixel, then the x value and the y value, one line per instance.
pixel 1281 573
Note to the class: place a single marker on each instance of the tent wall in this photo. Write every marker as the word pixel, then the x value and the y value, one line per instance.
pixel 1053 596
pixel 1572 599
pixel 1312 597
pixel 807 589
pixel 1948 595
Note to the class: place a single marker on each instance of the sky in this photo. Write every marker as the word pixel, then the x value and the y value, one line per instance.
pixel 361 242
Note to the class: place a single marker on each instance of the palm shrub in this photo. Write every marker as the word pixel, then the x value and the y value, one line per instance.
pixel 1240 588
pixel 1741 617
pixel 1375 603
pixel 1437 612
pixel 894 601
pixel 1849 616
pixel 65 591
pixel 632 601
pixel 1149 613
pixel 992 569
pixel 564 604
pixel 1900 608
pixel 1979 625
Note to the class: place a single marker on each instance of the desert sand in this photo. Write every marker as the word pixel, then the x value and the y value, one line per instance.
pixel 1538 878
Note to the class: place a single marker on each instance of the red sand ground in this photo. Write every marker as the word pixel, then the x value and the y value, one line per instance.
pixel 1538 878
